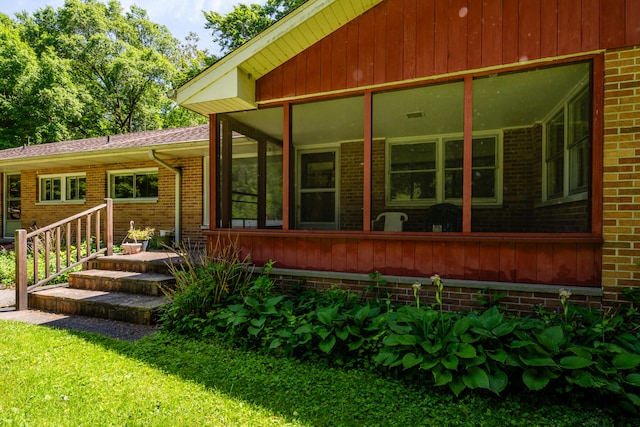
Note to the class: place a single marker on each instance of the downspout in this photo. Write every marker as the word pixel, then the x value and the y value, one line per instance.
pixel 178 193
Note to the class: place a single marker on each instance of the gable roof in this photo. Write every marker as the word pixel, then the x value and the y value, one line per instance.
pixel 171 143
pixel 229 84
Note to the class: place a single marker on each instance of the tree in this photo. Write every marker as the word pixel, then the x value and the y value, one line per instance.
pixel 89 69
pixel 122 61
pixel 18 70
pixel 38 99
pixel 246 21
pixel 192 60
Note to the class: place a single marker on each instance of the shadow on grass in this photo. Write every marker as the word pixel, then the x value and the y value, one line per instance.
pixel 322 396
pixel 307 392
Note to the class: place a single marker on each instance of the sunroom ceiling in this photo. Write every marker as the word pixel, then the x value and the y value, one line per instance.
pixel 500 102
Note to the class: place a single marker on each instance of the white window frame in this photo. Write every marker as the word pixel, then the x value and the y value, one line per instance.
pixel 319 148
pixel 440 140
pixel 568 195
pixel 122 172
pixel 63 187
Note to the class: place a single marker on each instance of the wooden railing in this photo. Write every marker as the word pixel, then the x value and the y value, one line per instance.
pixel 56 239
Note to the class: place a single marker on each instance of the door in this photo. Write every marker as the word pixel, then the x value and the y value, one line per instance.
pixel 12 206
pixel 317 198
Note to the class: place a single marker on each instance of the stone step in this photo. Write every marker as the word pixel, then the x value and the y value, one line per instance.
pixel 137 309
pixel 143 262
pixel 121 281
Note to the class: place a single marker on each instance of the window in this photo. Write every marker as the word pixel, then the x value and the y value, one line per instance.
pixel 62 188
pixel 567 149
pixel 138 184
pixel 412 172
pixel 579 144
pixel 431 171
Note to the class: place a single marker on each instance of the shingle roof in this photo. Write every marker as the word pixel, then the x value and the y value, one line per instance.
pixel 115 142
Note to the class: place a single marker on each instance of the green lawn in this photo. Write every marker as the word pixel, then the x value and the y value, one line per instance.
pixel 52 377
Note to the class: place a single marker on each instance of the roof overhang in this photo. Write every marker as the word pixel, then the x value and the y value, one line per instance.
pixel 229 84
pixel 107 156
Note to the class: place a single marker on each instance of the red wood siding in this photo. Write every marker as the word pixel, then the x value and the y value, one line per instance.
pixel 572 262
pixel 405 39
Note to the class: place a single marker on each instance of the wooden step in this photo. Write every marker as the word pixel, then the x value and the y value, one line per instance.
pixel 121 281
pixel 138 309
pixel 143 262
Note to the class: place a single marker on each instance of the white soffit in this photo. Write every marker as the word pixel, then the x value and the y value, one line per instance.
pixel 229 84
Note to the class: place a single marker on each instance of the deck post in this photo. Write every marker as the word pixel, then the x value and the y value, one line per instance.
pixel 109 226
pixel 21 270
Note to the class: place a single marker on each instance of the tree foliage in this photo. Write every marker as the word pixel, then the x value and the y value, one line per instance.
pixel 246 21
pixel 88 69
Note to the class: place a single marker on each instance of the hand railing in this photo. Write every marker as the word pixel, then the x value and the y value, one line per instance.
pixel 57 238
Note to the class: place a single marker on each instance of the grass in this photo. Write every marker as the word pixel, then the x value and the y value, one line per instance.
pixel 51 377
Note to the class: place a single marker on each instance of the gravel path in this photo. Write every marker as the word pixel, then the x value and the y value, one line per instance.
pixel 118 330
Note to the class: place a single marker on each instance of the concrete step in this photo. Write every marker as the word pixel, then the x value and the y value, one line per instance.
pixel 143 262
pixel 137 309
pixel 121 281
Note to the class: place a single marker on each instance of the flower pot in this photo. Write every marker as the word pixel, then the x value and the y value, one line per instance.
pixel 131 248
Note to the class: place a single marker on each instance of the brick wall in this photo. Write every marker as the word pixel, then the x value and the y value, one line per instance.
pixel 522 193
pixel 351 185
pixel 621 186
pixel 461 296
pixel 158 215
pixel 519 192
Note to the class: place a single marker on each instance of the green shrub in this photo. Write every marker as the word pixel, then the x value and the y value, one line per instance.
pixel 203 280
pixel 8 267
pixel 578 352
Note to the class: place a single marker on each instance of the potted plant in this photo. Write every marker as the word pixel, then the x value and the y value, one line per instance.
pixel 140 238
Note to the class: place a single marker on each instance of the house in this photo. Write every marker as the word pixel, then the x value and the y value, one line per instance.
pixel 500 138
pixel 155 179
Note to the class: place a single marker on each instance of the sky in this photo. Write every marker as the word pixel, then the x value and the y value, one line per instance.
pixel 180 16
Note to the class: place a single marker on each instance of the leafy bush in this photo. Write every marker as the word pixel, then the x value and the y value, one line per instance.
pixel 8 267
pixel 578 352
pixel 203 280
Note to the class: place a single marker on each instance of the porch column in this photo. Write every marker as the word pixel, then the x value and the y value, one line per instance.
pixel 287 164
pixel 213 171
pixel 368 158
pixel 467 164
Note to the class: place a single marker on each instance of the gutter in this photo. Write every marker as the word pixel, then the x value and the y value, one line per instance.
pixel 178 194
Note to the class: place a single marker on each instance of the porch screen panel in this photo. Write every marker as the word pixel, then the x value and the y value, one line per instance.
pixel 417 159
pixel 244 183
pixel 539 123
pixel 252 163
pixel 328 140
pixel 273 206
